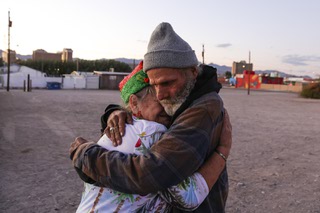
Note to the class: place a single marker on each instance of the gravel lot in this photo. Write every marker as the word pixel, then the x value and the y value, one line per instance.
pixel 274 164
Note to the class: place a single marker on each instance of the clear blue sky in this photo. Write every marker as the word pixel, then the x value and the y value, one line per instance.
pixel 282 35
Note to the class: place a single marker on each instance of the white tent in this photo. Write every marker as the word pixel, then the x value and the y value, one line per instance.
pixel 19 74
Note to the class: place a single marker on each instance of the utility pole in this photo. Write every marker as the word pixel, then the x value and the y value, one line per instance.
pixel 77 64
pixel 8 56
pixel 249 75
pixel 202 53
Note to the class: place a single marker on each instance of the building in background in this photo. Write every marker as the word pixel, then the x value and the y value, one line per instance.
pixel 271 79
pixel 42 55
pixel 240 67
pixel 66 54
pixel 12 56
pixel 110 80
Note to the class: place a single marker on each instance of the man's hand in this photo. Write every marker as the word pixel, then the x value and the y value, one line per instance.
pixel 116 126
pixel 75 144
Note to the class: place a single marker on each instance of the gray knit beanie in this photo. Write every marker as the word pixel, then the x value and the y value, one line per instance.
pixel 166 49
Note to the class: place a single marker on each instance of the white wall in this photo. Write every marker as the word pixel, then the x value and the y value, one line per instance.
pixel 74 82
pixel 38 79
pixel 17 81
pixel 92 82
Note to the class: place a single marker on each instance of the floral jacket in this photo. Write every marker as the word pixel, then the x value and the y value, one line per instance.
pixel 138 139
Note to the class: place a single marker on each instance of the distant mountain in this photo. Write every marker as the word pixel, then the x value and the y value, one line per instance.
pixel 24 57
pixel 281 74
pixel 221 69
pixel 128 61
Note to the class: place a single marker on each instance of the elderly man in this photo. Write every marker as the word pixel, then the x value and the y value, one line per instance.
pixel 189 94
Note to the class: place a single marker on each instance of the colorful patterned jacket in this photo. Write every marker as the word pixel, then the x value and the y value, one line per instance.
pixel 138 139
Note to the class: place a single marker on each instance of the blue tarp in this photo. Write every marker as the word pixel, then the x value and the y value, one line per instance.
pixel 232 81
pixel 53 85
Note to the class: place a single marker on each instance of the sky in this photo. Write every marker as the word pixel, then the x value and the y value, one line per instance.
pixel 281 35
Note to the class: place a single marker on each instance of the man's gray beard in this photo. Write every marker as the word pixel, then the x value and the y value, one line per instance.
pixel 173 104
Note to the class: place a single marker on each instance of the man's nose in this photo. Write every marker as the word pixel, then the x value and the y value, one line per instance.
pixel 161 94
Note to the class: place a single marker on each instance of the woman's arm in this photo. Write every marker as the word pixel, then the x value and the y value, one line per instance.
pixel 187 195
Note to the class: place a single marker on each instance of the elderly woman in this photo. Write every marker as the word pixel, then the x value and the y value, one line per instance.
pixel 149 120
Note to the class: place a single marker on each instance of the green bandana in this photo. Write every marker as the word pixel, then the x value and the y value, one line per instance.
pixel 133 83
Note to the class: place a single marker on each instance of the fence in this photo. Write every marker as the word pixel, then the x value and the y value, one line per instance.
pixel 280 87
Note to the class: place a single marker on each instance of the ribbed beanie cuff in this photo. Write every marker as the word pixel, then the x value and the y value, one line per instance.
pixel 166 49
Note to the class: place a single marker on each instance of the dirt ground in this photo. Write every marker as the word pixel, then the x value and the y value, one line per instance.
pixel 273 167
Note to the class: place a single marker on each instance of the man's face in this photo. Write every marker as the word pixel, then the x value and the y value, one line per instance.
pixel 172 86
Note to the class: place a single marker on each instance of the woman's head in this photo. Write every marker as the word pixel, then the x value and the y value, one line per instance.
pixel 139 97
pixel 144 104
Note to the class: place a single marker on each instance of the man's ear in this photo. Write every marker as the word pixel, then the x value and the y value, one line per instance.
pixel 133 103
pixel 194 72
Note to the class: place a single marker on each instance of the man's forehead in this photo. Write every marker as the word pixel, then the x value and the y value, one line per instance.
pixel 160 72
pixel 156 78
pixel 160 75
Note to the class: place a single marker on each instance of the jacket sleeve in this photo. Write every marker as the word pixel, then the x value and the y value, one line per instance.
pixel 104 118
pixel 176 156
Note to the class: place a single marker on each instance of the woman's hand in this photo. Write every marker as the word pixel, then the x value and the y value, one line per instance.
pixel 116 126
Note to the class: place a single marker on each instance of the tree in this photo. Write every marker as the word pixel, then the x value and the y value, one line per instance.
pixel 311 91
pixel 228 74
pixel 57 68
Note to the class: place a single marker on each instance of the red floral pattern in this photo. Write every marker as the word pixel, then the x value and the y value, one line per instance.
pixel 138 144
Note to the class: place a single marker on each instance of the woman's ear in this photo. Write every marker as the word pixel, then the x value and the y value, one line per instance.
pixel 133 103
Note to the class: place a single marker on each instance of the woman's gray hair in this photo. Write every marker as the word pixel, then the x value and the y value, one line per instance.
pixel 141 96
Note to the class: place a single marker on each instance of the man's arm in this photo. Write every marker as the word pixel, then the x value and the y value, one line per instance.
pixel 214 165
pixel 199 184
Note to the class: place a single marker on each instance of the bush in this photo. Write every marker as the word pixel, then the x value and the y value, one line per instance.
pixel 311 91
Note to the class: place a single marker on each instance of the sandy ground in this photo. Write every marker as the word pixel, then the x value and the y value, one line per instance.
pixel 274 165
